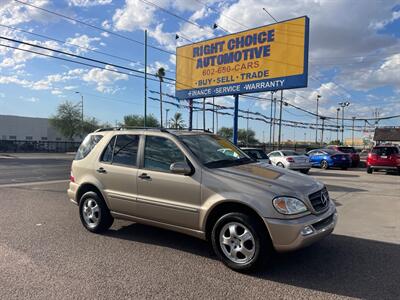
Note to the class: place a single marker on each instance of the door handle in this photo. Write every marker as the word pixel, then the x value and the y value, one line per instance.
pixel 101 170
pixel 144 176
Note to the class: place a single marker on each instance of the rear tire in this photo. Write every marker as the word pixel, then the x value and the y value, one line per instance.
pixel 240 242
pixel 281 165
pixel 94 213
pixel 305 171
pixel 369 170
pixel 324 165
pixel 344 168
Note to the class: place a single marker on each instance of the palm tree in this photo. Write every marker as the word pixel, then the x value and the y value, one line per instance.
pixel 161 74
pixel 177 121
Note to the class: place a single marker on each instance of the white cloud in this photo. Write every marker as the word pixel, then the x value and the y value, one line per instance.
pixel 13 13
pixel 87 3
pixel 384 74
pixel 104 79
pixel 83 41
pixel 166 39
pixel 134 15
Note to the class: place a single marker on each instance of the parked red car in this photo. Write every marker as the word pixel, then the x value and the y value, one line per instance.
pixel 384 157
pixel 355 157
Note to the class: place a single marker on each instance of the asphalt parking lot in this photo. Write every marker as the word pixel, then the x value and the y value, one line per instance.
pixel 45 253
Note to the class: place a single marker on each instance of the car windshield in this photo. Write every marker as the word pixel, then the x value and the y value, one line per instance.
pixel 214 151
pixel 289 153
pixel 256 153
pixel 385 150
pixel 347 149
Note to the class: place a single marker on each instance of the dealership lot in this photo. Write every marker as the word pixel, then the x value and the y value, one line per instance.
pixel 46 253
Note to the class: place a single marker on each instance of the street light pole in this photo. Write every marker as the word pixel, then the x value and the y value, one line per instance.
pixel 316 125
pixel 343 105
pixel 81 105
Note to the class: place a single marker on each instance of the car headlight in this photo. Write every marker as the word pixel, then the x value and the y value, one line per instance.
pixel 289 205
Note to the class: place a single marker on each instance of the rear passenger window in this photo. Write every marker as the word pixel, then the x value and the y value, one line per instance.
pixel 122 150
pixel 87 145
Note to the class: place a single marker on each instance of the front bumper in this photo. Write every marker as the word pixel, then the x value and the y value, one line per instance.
pixel 287 235
pixel 72 190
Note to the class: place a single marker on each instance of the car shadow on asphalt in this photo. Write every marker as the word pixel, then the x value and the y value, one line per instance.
pixel 342 265
pixel 338 264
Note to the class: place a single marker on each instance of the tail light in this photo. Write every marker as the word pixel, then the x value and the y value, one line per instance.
pixel 289 159
pixel 71 177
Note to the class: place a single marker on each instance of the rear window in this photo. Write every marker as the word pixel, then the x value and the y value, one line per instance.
pixel 385 151
pixel 347 149
pixel 256 154
pixel 87 146
pixel 289 153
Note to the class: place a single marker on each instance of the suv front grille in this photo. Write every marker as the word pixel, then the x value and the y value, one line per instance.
pixel 319 200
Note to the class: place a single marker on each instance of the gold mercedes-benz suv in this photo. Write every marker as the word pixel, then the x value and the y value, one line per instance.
pixel 199 184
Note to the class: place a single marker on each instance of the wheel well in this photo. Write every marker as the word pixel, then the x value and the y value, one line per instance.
pixel 228 207
pixel 87 187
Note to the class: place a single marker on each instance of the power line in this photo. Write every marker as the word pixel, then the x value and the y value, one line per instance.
pixel 71 44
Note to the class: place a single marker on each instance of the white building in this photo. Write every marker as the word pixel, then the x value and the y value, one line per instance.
pixel 28 129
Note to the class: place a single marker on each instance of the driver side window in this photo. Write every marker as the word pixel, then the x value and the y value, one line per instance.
pixel 160 153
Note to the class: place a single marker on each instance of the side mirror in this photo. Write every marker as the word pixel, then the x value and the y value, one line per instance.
pixel 180 167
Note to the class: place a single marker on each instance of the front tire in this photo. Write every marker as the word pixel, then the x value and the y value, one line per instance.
pixel 369 170
pixel 94 213
pixel 240 242
pixel 305 171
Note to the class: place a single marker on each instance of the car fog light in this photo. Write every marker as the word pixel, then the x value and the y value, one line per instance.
pixel 307 230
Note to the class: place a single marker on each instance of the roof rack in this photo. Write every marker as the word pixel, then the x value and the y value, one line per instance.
pixel 130 127
pixel 162 129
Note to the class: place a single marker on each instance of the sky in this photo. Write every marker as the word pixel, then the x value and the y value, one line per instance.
pixel 354 56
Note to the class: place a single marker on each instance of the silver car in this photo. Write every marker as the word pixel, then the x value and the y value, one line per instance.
pixel 199 184
pixel 290 159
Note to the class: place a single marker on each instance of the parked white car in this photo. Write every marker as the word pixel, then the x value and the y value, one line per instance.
pixel 257 153
pixel 290 159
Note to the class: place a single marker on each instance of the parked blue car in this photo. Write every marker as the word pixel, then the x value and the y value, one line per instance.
pixel 327 158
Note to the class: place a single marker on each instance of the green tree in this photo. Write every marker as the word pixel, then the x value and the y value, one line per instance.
pixel 90 124
pixel 226 132
pixel 67 120
pixel 335 142
pixel 177 121
pixel 242 136
pixel 138 121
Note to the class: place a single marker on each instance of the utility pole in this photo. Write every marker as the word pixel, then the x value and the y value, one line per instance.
pixel 280 121
pixel 216 121
pixel 343 105
pixel 247 129
pixel 204 113
pixel 316 125
pixel 322 131
pixel 270 120
pixel 82 125
pixel 190 114
pixel 337 123
pixel 273 127
pixel 145 78
pixel 213 114
pixel 166 117
pixel 352 134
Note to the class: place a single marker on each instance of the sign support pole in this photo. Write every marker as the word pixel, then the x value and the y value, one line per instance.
pixel 235 120
pixel 204 113
pixel 190 114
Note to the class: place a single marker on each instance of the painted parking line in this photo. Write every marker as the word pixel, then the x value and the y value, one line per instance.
pixel 7 185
